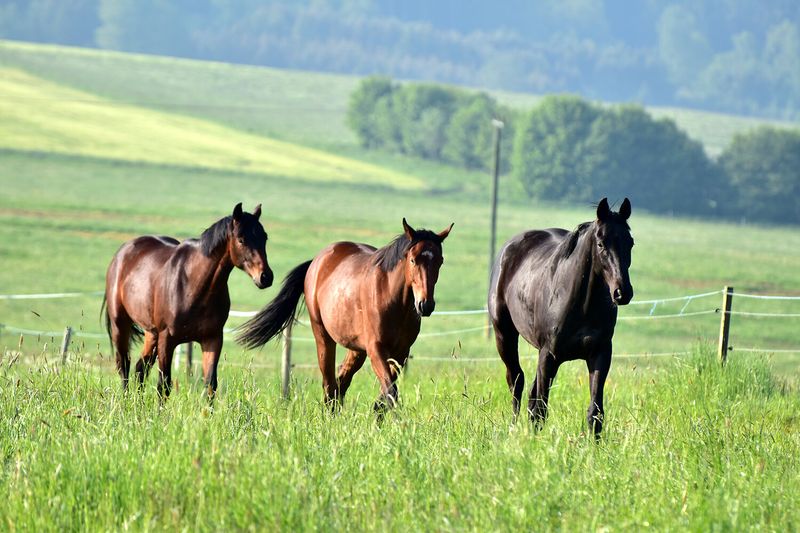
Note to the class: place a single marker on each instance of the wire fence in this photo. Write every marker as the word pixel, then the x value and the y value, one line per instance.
pixel 652 314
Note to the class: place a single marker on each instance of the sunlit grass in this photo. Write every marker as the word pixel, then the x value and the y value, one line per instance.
pixel 40 116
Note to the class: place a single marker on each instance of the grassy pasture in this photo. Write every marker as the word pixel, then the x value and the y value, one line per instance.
pixel 688 446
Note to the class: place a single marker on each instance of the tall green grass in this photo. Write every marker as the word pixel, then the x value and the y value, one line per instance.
pixel 688 446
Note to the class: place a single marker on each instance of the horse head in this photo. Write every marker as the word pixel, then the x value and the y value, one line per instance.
pixel 423 261
pixel 612 253
pixel 247 245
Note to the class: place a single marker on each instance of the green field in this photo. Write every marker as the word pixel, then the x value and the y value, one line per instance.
pixel 96 148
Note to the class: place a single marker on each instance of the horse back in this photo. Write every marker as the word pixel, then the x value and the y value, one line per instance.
pixel 334 278
pixel 530 250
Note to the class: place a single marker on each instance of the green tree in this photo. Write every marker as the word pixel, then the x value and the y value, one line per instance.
pixel 763 167
pixel 550 149
pixel 470 135
pixel 423 113
pixel 366 117
pixel 652 162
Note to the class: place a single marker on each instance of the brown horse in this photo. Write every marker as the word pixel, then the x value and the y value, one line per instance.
pixel 560 291
pixel 369 301
pixel 172 293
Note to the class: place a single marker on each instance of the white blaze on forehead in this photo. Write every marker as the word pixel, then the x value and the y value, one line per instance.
pixel 427 253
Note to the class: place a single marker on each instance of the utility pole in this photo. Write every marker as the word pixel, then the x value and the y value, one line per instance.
pixel 498 128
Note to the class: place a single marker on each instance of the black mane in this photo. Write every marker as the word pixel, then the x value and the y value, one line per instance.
pixel 214 236
pixel 387 257
pixel 570 241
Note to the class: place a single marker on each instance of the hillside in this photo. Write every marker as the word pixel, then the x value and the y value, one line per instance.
pixel 294 105
pixel 40 116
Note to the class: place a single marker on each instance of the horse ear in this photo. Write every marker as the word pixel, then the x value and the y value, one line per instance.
pixel 445 232
pixel 603 211
pixel 409 231
pixel 237 212
pixel 257 212
pixel 625 209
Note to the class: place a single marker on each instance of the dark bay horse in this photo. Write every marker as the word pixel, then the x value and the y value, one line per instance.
pixel 173 292
pixel 369 301
pixel 560 291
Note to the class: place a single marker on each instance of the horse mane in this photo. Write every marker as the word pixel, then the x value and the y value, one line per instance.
pixel 386 258
pixel 570 242
pixel 214 235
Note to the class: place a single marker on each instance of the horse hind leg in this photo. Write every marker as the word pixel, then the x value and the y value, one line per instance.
pixel 149 355
pixel 352 363
pixel 507 340
pixel 121 328
pixel 326 357
pixel 546 372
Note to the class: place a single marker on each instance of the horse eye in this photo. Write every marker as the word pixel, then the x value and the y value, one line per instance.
pixel 413 261
pixel 600 245
pixel 241 240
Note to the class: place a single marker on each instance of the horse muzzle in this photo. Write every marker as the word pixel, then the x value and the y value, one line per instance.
pixel 264 280
pixel 622 296
pixel 425 307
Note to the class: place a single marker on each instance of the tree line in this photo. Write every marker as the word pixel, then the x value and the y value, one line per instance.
pixel 740 57
pixel 569 149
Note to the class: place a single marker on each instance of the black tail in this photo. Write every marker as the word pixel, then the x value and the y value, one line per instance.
pixel 278 314
pixel 136 332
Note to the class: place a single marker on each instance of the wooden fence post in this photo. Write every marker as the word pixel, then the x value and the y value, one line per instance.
pixel 725 324
pixel 286 361
pixel 65 344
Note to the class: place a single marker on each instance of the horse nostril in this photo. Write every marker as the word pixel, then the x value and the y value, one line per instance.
pixel 266 279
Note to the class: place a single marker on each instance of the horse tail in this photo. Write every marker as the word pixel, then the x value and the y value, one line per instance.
pixel 278 314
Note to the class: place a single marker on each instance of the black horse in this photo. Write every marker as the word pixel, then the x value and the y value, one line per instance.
pixel 560 290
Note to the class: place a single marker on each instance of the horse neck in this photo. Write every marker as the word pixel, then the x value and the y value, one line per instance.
pixel 213 271
pixel 399 291
pixel 576 273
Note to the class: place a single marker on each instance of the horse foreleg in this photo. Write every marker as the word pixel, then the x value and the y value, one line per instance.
pixel 166 347
pixel 380 365
pixel 352 363
pixel 149 354
pixel 598 367
pixel 540 392
pixel 211 352
pixel 507 340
